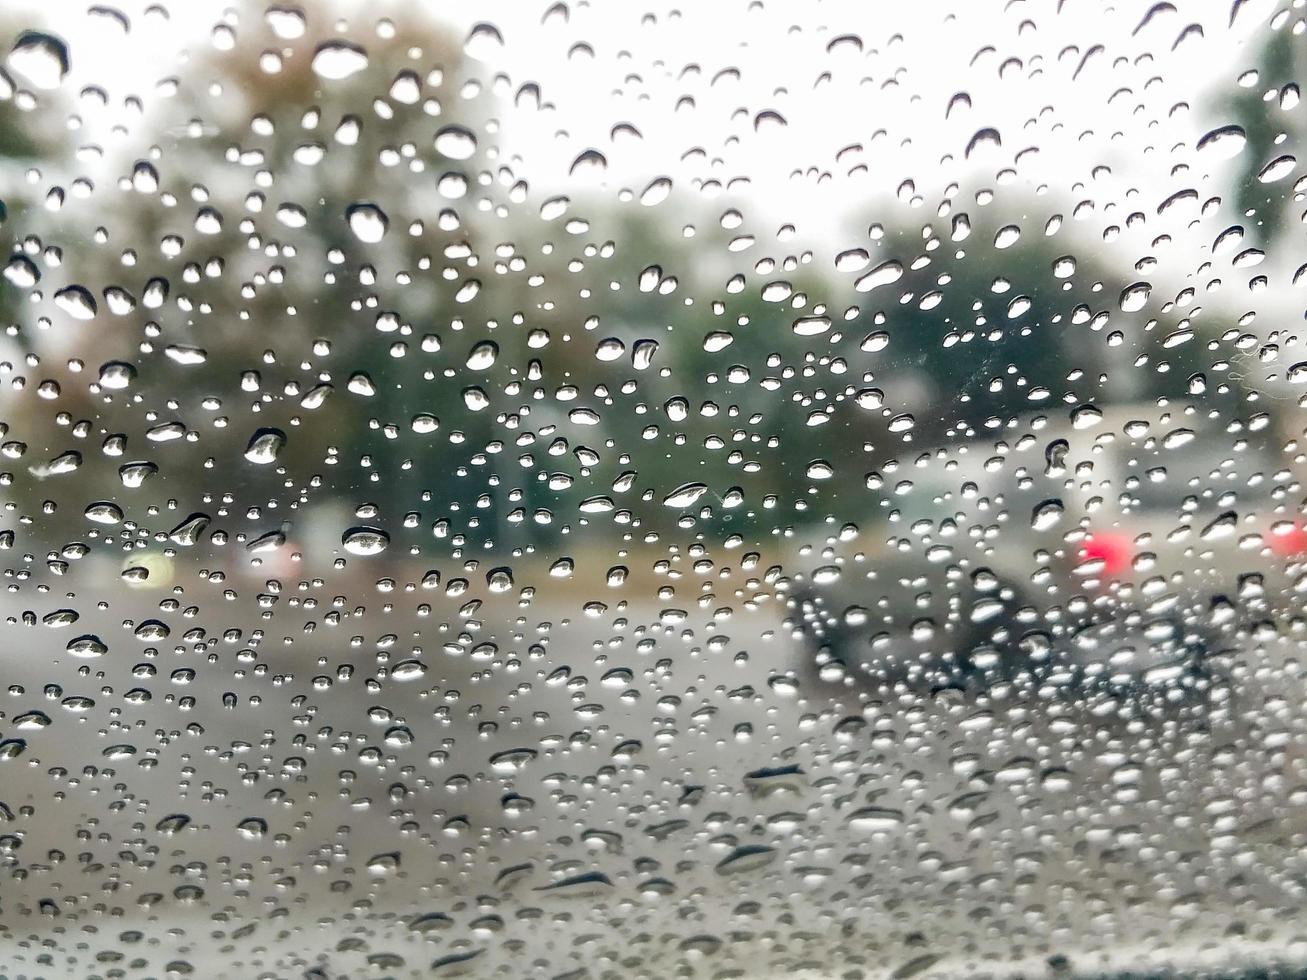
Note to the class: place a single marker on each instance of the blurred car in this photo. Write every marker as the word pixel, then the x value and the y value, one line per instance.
pixel 1122 547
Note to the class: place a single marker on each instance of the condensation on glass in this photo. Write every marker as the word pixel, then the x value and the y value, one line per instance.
pixel 605 490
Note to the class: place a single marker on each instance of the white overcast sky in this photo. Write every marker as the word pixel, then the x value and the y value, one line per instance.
pixel 1094 108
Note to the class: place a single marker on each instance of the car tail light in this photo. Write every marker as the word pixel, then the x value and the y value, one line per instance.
pixel 1113 550
pixel 1287 539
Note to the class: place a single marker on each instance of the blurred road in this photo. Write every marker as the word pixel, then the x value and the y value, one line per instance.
pixel 665 799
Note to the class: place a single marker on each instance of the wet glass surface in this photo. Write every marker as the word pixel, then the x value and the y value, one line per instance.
pixel 602 490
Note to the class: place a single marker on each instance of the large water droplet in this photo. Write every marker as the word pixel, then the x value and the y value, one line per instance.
pixel 589 164
pixel 264 446
pixel 455 142
pixel 173 823
pixel 482 356
pixel 811 326
pixel 40 58
pixel 1046 514
pixel 1223 142
pixel 365 541
pixel 76 301
pixel 87 646
pixel 484 42
pixel 887 272
pixel 337 60
pixel 685 495
pixel 367 221
pixel 1135 296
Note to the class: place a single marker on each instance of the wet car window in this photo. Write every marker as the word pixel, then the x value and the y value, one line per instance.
pixel 601 490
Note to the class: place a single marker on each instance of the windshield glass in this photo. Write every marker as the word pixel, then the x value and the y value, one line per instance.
pixel 581 489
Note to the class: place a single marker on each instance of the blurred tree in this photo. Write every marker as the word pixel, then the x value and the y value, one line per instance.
pixel 797 370
pixel 1265 125
pixel 277 244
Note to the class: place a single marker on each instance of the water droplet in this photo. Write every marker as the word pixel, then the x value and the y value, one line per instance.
pixel 889 271
pixel 875 342
pixel 1222 526
pixel 984 141
pixel 642 354
pixel 609 349
pixel 811 326
pixel 483 355
pixel 173 823
pixel 87 646
pixel 134 474
pixel 1064 267
pixel 1277 169
pixel 875 819
pixel 152 631
pixel 287 23
pixel 187 533
pixel 870 399
pixel 589 164
pixel 746 858
pixel 1086 416
pixel 430 922
pixel 338 60
pixel 252 828
pixel 852 260
pixel 819 469
pixel 383 864
pixel 22 272
pixel 1177 438
pixel 77 302
pixel 484 42
pixel 455 142
pixel 365 541
pixel 265 445
pixel 186 356
pixel 1046 514
pixel 685 495
pixel 104 512
pixel 60 618
pixel 511 761
pixel 40 58
pixel 1007 236
pixel 658 191
pixel 368 222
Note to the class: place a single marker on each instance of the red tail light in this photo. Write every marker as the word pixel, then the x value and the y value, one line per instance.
pixel 1290 542
pixel 1113 550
